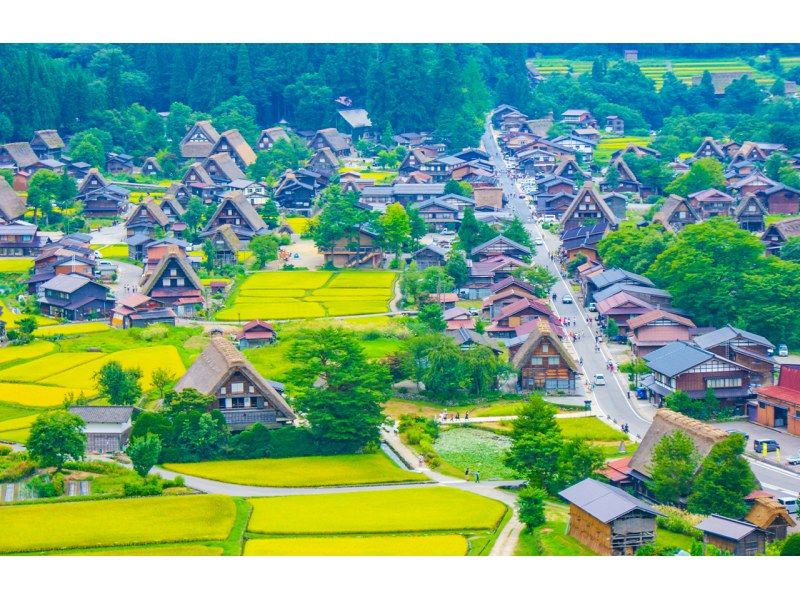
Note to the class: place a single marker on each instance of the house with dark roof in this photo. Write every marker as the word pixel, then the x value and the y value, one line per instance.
pixel 240 393
pixel 199 140
pixel 357 122
pixel 515 314
pixel 778 405
pixel 485 273
pixel 588 209
pixel 74 297
pixel 583 240
pixel 544 363
pixel 606 278
pixel 752 351
pixel 739 538
pixel 501 245
pixel 437 214
pixel 234 209
pixel 429 255
pixel 325 162
pixel 268 137
pixel 174 283
pixel 145 218
pixel 138 311
pixel 414 159
pixel 467 338
pixel 256 333
pixel 626 181
pixel 780 199
pixel 568 168
pixel 657 328
pixel 636 150
pixel 295 195
pixel 107 427
pixel 608 520
pixel 651 294
pixel 778 233
pixel 665 423
pixel 333 140
pixel 676 213
pixel 750 214
pixel 709 148
pixel 357 249
pixel 621 306
pixel 495 303
pixel 119 163
pixel 47 143
pixel 20 239
pixel 101 199
pixel 226 244
pixel 685 366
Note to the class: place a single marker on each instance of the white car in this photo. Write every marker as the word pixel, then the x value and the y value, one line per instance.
pixel 599 380
pixel 549 218
pixel 538 241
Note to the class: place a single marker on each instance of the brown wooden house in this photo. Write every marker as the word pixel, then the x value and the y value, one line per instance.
pixel 268 137
pixel 235 210
pixel 233 143
pixel 74 297
pixel 500 245
pixel 711 202
pixel 676 213
pixel 749 350
pixel 544 363
pixel 151 167
pixel 657 328
pixel 780 199
pixel 226 244
pixel 175 284
pixel 778 405
pixel 740 538
pixel 333 140
pixel 47 143
pixel 360 248
pixel 709 148
pixel 256 333
pixel 750 214
pixel 145 218
pixel 588 209
pixel 222 169
pixel 325 162
pixel 240 393
pixel 608 520
pixel 429 255
pixel 199 140
pixel 519 312
pixel 778 233
pixel 768 514
pixel 626 179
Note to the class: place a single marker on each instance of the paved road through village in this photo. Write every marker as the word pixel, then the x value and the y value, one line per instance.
pixel 612 400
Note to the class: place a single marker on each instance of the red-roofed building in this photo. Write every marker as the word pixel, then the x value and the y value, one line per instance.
pixel 519 312
pixel 779 405
pixel 446 300
pixel 617 472
pixel 256 333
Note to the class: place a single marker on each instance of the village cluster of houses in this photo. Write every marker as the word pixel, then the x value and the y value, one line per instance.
pixel 617 516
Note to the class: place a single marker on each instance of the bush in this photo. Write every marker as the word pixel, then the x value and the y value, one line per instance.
pixel 149 486
pixel 791 547
pixel 5 450
pixel 16 469
pixel 680 522
pixel 292 442
pixel 252 443
pixel 43 487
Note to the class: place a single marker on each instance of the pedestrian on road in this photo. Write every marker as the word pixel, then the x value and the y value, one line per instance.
pixel 458 416
pixel 580 361
pixel 477 476
pixel 466 474
pixel 421 462
pixel 466 415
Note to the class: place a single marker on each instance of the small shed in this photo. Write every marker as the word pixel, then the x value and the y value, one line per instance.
pixel 771 516
pixel 740 538
pixel 608 520
pixel 107 427
pixel 256 333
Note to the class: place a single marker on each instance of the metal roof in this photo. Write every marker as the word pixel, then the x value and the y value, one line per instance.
pixel 725 527
pixel 632 289
pixel 103 414
pixel 727 333
pixel 606 278
pixel 677 357
pixel 602 501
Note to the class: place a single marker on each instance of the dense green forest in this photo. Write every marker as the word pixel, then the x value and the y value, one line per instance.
pixel 443 88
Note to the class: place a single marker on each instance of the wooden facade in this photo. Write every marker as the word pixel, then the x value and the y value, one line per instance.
pixel 544 363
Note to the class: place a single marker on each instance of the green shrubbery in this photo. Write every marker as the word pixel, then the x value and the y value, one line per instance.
pixel 14 466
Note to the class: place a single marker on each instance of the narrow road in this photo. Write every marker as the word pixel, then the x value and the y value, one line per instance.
pixel 611 400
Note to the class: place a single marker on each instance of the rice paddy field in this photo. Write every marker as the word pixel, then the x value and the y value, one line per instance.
pixel 29 351
pixel 338 470
pixel 11 319
pixel 12 265
pixel 35 395
pixel 655 68
pixel 396 511
pixel 71 329
pixel 288 295
pixel 419 545
pixel 112 252
pixel 123 522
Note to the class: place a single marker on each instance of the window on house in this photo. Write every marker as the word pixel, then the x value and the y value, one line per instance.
pixel 179 282
pixel 723 382
pixel 545 348
pixel 166 282
pixel 536 361
pixel 237 387
pixel 237 403
pixel 223 390
pixel 554 360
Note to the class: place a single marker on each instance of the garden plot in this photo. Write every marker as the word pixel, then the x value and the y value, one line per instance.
pixel 120 522
pixel 307 295
pixel 339 470
pixel 386 511
pixel 433 545
pixel 476 450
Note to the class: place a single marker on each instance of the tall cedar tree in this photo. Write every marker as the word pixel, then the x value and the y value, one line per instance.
pixel 338 390
pixel 536 444
pixel 723 481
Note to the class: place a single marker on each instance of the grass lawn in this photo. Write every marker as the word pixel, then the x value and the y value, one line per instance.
pixel 551 539
pixel 589 428
pixel 498 409
pixel 433 545
pixel 34 395
pixel 475 449
pixel 71 329
pixel 414 510
pixel 305 294
pixel 29 351
pixel 115 522
pixel 394 408
pixel 338 470
pixel 15 264
pixel 666 539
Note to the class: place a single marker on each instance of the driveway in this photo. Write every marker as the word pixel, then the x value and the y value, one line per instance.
pixel 308 256
pixel 109 235
pixel 128 277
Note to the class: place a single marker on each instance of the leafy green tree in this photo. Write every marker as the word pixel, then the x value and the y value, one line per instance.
pixel 445 374
pixel 67 191
pixel 195 211
pixel 578 460
pixel 395 228
pixel 144 453
pixel 675 459
pixel 791 250
pixel 792 546
pixel 612 328
pixel 237 112
pixel 539 277
pixel 431 317
pixel 162 379
pixel 120 385
pixel 339 219
pixel 199 436
pixel 264 248
pixel 188 399
pixel 536 444
pixel 482 368
pixel 210 252
pixel 516 232
pixel 43 190
pixel 724 480
pixel 418 226
pixel 705 173
pixel 742 95
pixel 457 269
pixel 27 325
pixel 89 149
pixel 252 443
pixel 530 503
pixel 55 438
pixel 461 188
pixel 180 118
pixel 472 233
pixel 633 248
pixel 338 390
pixel 8 176
pixel 270 213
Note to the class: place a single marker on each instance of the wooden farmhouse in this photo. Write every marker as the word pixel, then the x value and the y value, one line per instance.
pixel 498 246
pixel 137 311
pixel 780 199
pixel 778 233
pixel 711 202
pixel 750 214
pixel 12 206
pixel 519 312
pixel 325 162
pixel 145 218
pixel 709 148
pixel 240 393
pixel 657 328
pixel 175 284
pixel 47 144
pixel 222 168
pixel 17 156
pixel 256 333
pixel 608 520
pixel 199 140
pixel 235 210
pixel 268 137
pixel 676 213
pixel 583 240
pixel 360 248
pixel 740 538
pixel 544 363
pixel 333 140
pixel 626 180
pixel 749 350
pixel 226 244
pixel 151 167
pixel 588 209
pixel 438 215
pixel 429 255
pixel 74 297
pixel 100 199
pixel 778 406
pixel 119 163
pixel 20 239
pixel 295 195
pixel 107 427
pixel 768 514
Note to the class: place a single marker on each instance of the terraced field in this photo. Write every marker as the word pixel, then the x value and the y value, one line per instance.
pixel 432 545
pixel 11 265
pixel 609 145
pixel 306 295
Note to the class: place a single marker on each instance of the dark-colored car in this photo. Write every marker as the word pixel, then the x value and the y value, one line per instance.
pixel 745 434
pixel 760 443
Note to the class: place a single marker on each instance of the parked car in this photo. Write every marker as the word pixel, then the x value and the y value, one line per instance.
pixel 788 501
pixel 549 218
pixel 474 311
pixel 592 306
pixel 770 444
pixel 599 380
pixel 448 233
pixel 566 299
pixel 793 460
pixel 538 241
pixel 620 338
pixel 783 350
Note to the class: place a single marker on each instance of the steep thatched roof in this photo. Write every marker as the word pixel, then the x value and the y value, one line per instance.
pixel 12 206
pixel 665 423
pixel 217 362
pixel 542 331
pixel 172 254
pixel 766 510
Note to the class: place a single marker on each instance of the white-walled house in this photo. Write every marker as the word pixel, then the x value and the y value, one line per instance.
pixel 107 427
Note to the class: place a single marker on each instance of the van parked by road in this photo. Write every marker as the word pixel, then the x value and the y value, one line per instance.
pixel 788 501
pixel 770 444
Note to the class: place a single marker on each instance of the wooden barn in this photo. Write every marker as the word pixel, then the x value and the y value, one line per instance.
pixel 544 363
pixel 771 516
pixel 608 520
pixel 740 538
